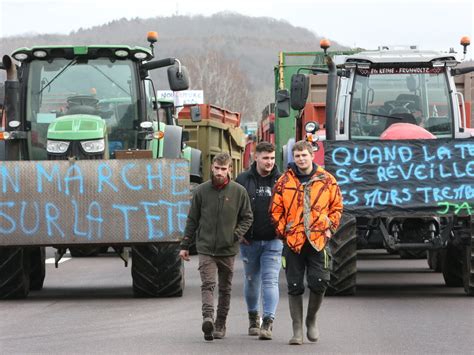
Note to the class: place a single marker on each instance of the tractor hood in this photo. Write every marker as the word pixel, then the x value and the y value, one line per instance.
pixel 77 128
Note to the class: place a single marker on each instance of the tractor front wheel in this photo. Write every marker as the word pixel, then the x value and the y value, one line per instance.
pixel 343 247
pixel 157 270
pixel 468 265
pixel 452 265
pixel 37 270
pixel 14 275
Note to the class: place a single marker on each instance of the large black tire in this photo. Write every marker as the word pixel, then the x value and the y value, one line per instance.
pixel 452 267
pixel 157 270
pixel 14 276
pixel 37 257
pixel 343 247
pixel 85 251
pixel 468 270
pixel 433 257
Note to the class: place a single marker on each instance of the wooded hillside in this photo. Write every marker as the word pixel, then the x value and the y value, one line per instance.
pixel 229 56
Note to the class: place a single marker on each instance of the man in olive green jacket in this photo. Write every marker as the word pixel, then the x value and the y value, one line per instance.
pixel 219 216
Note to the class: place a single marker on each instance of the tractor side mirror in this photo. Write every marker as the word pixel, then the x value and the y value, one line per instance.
pixel 178 80
pixel 299 91
pixel 195 114
pixel 461 71
pixel 283 103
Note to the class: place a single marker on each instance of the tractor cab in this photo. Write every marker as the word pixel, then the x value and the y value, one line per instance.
pixel 72 105
pixel 88 102
pixel 380 105
pixel 401 86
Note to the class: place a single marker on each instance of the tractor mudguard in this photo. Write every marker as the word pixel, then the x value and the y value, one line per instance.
pixel 172 142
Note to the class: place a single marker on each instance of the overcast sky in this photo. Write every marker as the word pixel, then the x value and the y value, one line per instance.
pixel 431 24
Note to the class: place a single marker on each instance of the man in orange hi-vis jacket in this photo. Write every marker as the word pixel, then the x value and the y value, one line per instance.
pixel 306 208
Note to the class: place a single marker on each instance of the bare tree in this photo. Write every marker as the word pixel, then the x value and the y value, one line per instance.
pixel 223 82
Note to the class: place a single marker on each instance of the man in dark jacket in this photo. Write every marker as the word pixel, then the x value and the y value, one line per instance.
pixel 261 250
pixel 218 219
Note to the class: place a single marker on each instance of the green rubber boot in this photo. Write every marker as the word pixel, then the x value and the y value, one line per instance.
pixel 296 312
pixel 314 303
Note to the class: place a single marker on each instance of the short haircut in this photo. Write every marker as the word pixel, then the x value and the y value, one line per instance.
pixel 265 147
pixel 302 145
pixel 222 159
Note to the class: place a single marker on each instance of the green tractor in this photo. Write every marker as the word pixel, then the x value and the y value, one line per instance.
pixel 66 104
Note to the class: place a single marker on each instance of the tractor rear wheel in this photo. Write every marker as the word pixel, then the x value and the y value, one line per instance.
pixel 37 270
pixel 468 265
pixel 157 270
pixel 343 247
pixel 452 265
pixel 14 277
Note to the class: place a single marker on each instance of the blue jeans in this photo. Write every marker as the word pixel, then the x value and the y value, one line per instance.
pixel 262 262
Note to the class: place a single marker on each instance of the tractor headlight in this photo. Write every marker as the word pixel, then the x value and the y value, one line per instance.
pixel 140 55
pixel 121 53
pixel 40 54
pixel 20 56
pixel 311 127
pixel 57 147
pixel 96 146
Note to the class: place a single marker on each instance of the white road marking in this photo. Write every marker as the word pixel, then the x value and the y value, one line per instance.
pixel 51 260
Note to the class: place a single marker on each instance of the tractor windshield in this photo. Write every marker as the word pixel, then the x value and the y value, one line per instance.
pixel 384 96
pixel 96 87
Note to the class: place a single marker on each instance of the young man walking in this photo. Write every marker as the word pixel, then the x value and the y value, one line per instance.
pixel 218 219
pixel 261 249
pixel 306 209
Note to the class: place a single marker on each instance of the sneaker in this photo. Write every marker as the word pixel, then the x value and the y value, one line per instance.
pixel 219 331
pixel 208 328
pixel 266 329
pixel 254 323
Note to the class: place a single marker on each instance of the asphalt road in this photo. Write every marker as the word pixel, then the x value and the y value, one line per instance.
pixel 87 307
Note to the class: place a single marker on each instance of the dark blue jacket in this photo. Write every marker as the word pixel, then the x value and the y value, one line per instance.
pixel 250 180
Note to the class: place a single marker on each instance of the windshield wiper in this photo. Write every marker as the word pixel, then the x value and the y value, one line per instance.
pixel 72 62
pixel 112 80
pixel 377 115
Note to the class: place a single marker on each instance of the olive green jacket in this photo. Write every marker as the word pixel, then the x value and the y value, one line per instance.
pixel 217 219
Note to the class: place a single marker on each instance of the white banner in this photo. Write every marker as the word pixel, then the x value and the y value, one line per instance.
pixel 180 98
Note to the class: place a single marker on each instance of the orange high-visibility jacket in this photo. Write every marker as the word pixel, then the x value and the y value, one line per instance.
pixel 301 211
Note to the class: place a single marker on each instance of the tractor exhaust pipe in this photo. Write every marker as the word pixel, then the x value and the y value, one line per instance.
pixel 12 108
pixel 331 100
pixel 10 68
pixel 12 92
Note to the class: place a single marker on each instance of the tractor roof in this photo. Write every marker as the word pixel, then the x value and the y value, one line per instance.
pixel 71 51
pixel 387 56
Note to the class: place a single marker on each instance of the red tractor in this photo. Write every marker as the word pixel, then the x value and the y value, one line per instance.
pixel 397 136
